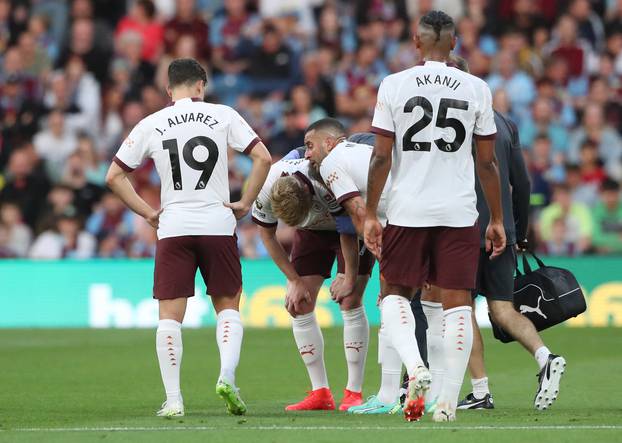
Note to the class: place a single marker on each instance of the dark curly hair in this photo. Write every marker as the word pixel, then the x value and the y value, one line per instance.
pixel 438 21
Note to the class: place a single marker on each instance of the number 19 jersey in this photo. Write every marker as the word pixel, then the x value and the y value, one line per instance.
pixel 433 111
pixel 188 143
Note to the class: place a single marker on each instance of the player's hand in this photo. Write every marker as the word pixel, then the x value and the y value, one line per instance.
pixel 372 232
pixel 495 239
pixel 522 246
pixel 296 297
pixel 341 288
pixel 154 218
pixel 239 208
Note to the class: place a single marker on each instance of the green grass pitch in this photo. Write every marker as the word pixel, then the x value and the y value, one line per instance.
pixel 104 385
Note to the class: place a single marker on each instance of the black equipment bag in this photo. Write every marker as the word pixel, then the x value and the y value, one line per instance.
pixel 547 296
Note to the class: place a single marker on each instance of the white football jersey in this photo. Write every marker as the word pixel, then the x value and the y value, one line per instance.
pixel 345 170
pixel 323 206
pixel 433 111
pixel 188 143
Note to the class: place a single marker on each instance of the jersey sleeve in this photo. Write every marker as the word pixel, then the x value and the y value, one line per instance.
pixel 335 175
pixel 241 136
pixel 485 119
pixel 262 210
pixel 133 150
pixel 382 122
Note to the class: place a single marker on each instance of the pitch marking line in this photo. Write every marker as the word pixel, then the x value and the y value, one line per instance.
pixel 318 428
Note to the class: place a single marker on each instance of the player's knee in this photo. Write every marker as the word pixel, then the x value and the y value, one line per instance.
pixel 502 312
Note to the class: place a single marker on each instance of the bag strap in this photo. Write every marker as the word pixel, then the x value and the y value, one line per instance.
pixel 526 266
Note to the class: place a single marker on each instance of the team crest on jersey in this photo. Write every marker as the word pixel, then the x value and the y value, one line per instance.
pixel 128 142
pixel 258 204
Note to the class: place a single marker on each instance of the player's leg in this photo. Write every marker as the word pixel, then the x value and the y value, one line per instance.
pixel 433 310
pixel 480 396
pixel 310 343
pixel 219 263
pixel 386 400
pixel 355 332
pixel 403 267
pixel 313 255
pixel 175 266
pixel 453 269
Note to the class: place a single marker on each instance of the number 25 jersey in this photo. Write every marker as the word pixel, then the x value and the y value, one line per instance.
pixel 188 143
pixel 433 111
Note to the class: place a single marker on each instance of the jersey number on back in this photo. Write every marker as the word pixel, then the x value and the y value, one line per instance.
pixel 442 121
pixel 207 166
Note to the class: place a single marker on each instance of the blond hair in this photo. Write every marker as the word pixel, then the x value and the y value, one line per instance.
pixel 291 202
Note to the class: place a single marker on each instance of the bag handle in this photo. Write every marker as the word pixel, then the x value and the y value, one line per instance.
pixel 526 266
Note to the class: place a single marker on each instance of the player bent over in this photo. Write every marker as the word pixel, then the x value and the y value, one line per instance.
pixel 344 167
pixel 188 143
pixel 432 112
pixel 290 186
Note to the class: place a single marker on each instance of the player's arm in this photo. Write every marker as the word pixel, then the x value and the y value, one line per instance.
pixel 355 208
pixel 130 155
pixel 296 290
pixel 521 188
pixel 484 133
pixel 379 167
pixel 342 287
pixel 119 183
pixel 261 166
pixel 488 174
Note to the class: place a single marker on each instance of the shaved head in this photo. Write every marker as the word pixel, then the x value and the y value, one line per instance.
pixel 436 34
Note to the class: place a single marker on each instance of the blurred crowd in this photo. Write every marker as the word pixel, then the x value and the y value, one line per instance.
pixel 77 75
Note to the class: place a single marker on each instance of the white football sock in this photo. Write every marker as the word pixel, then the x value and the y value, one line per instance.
pixel 480 387
pixel 457 341
pixel 310 344
pixel 391 367
pixel 434 314
pixel 169 349
pixel 542 355
pixel 355 343
pixel 399 323
pixel 229 333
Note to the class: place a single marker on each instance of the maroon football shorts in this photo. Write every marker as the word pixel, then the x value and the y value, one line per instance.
pixel 442 256
pixel 177 260
pixel 314 252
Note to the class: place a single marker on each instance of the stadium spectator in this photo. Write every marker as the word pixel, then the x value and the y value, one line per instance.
pixel 25 186
pixel 608 219
pixel 592 171
pixel 187 22
pixel 543 121
pixel 138 72
pixel 65 240
pixel 95 169
pixel 318 82
pixel 356 85
pixel 582 192
pixel 290 137
pixel 35 59
pixel 562 242
pixel 60 199
pixel 608 140
pixel 590 26
pixel 83 44
pixel 141 20
pixel 18 234
pixel 576 217
pixel 302 105
pixel 518 84
pixel 111 218
pixel 568 46
pixel 74 176
pixel 55 144
pixel 272 65
pixel 102 32
pixel 232 32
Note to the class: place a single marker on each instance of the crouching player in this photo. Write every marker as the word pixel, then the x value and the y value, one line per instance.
pixel 292 194
pixel 344 167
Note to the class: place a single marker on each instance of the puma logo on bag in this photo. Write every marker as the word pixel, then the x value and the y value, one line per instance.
pixel 525 308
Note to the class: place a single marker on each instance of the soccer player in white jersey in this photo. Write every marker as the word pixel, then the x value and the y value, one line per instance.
pixel 188 143
pixel 432 111
pixel 344 166
pixel 293 195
